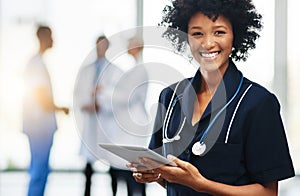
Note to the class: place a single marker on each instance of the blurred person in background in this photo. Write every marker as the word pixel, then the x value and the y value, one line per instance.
pixel 104 95
pixel 136 106
pixel 88 79
pixel 39 121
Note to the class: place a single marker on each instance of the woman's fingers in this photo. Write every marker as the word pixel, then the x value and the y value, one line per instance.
pixel 146 171
pixel 177 161
pixel 146 177
pixel 149 163
pixel 136 167
pixel 137 175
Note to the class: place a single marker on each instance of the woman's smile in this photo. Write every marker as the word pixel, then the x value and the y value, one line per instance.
pixel 209 55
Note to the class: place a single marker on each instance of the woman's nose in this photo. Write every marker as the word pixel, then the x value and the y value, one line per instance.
pixel 208 42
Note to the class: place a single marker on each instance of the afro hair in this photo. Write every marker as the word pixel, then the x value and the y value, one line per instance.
pixel 245 20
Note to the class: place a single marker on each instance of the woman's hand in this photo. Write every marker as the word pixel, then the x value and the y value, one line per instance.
pixel 184 173
pixel 188 175
pixel 143 174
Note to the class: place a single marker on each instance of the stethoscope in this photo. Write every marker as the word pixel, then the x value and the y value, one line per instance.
pixel 199 147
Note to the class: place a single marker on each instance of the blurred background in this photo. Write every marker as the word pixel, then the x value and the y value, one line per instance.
pixel 76 24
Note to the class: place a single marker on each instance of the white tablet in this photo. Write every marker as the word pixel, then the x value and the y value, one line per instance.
pixel 132 153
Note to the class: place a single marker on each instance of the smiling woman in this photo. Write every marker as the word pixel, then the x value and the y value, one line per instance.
pixel 217 116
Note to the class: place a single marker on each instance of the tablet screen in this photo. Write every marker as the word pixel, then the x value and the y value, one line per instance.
pixel 132 153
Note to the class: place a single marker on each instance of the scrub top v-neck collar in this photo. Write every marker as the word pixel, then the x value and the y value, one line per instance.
pixel 226 90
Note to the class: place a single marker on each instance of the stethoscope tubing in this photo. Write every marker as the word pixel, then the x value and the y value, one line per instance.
pixel 172 104
pixel 221 111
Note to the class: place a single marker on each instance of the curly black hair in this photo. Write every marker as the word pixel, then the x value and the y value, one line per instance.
pixel 245 21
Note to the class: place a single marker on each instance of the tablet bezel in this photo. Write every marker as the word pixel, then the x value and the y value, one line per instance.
pixel 132 153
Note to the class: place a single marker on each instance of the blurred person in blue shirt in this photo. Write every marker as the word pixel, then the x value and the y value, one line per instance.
pixel 39 122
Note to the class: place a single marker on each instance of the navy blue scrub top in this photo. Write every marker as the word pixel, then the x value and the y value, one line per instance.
pixel 257 149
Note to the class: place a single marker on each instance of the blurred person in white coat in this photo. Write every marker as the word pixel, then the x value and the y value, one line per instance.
pixel 85 93
pixel 130 123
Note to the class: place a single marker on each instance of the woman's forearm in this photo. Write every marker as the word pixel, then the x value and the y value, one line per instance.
pixel 219 189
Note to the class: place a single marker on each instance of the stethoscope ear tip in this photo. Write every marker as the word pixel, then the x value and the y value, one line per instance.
pixel 165 140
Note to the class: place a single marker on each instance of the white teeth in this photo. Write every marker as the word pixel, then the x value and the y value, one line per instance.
pixel 209 55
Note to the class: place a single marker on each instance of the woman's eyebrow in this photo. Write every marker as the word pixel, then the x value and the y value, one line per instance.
pixel 195 27
pixel 214 27
pixel 220 26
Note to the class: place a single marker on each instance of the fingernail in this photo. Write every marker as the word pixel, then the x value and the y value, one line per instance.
pixel 139 175
pixel 171 157
pixel 133 169
pixel 143 160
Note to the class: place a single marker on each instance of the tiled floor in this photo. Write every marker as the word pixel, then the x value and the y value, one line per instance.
pixel 72 184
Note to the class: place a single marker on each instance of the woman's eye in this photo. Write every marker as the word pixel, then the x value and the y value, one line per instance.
pixel 220 32
pixel 197 34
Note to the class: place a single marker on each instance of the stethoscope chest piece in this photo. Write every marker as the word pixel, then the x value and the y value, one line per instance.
pixel 198 148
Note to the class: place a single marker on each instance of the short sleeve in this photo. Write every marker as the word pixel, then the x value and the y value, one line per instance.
pixel 266 152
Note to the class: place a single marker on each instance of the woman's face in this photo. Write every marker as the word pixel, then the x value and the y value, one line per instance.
pixel 210 42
